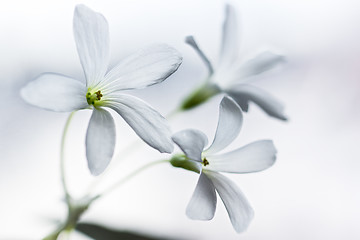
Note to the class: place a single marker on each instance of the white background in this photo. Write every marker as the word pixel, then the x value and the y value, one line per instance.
pixel 312 192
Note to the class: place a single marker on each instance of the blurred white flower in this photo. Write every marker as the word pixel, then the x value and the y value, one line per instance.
pixel 232 77
pixel 104 88
pixel 253 157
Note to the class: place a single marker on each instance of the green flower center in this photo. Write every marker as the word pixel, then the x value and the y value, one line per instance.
pixel 93 97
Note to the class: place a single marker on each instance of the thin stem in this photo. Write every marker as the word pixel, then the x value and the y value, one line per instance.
pixel 75 211
pixel 54 235
pixel 128 177
pixel 62 158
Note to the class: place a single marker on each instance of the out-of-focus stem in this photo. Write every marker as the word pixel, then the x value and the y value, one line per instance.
pixel 62 158
pixel 77 207
pixel 128 177
pixel 75 210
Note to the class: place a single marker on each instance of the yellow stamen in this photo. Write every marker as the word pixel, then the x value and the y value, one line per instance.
pixel 94 97
pixel 98 95
pixel 205 162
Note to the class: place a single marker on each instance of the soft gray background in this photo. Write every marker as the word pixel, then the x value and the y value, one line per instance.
pixel 312 192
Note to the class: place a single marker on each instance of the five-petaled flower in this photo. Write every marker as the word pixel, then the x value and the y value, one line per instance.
pixel 231 77
pixel 253 157
pixel 106 88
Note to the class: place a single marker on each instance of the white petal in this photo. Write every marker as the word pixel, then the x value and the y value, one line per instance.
pixel 148 124
pixel 230 40
pixel 263 62
pixel 100 140
pixel 55 92
pixel 202 205
pixel 191 41
pixel 244 93
pixel 144 68
pixel 254 157
pixel 237 206
pixel 229 125
pixel 191 142
pixel 91 34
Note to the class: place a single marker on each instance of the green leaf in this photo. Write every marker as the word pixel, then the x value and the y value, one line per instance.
pixel 102 233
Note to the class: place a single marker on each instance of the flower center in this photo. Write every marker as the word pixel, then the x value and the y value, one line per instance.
pixel 205 162
pixel 92 98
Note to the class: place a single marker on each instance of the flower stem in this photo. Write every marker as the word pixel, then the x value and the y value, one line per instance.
pixel 62 158
pixel 75 211
pixel 75 208
pixel 128 177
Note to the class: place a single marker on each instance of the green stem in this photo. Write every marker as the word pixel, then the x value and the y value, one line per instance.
pixel 78 207
pixel 75 211
pixel 75 208
pixel 128 177
pixel 62 158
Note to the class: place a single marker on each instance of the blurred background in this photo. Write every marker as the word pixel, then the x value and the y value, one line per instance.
pixel 312 192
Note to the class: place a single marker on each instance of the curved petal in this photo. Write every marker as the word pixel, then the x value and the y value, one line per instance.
pixel 191 41
pixel 229 125
pixel 55 92
pixel 254 157
pixel 243 93
pixel 261 63
pixel 148 124
pixel 242 102
pixel 100 141
pixel 191 142
pixel 202 205
pixel 144 68
pixel 230 40
pixel 237 206
pixel 91 34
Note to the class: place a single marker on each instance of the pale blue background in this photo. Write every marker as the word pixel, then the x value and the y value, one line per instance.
pixel 312 192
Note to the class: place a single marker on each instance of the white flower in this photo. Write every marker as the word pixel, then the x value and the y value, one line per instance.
pixel 232 77
pixel 253 157
pixel 106 88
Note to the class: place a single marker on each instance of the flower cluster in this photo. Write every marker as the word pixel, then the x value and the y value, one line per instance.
pixel 105 88
pixel 233 78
